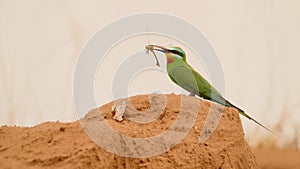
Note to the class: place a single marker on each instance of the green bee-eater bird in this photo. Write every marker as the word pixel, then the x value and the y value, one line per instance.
pixel 186 77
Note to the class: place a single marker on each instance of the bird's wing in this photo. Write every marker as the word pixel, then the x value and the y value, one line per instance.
pixel 183 76
pixel 187 78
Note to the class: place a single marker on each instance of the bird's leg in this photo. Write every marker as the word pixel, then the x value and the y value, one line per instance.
pixel 192 93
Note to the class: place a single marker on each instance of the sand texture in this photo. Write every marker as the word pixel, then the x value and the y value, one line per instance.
pixel 67 145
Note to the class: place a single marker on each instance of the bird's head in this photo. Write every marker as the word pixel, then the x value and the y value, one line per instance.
pixel 174 52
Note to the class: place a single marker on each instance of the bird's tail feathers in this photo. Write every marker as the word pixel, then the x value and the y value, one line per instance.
pixel 249 117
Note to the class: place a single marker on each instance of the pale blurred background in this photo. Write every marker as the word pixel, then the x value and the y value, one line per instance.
pixel 257 42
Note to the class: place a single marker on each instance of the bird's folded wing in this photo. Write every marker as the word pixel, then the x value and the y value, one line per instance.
pixel 190 80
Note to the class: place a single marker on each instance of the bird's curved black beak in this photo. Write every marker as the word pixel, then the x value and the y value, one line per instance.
pixel 157 48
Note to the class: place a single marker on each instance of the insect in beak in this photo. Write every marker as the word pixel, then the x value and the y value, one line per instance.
pixel 151 48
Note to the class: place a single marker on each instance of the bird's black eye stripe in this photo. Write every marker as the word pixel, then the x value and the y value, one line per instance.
pixel 176 52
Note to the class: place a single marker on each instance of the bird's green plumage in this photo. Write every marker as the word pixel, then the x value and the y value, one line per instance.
pixel 186 77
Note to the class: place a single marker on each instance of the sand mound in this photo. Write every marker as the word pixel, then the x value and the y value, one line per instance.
pixel 66 145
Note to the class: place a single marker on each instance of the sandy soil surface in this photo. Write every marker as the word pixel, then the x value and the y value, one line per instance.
pixel 67 145
pixel 275 158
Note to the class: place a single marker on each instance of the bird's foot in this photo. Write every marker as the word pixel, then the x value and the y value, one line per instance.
pixel 192 93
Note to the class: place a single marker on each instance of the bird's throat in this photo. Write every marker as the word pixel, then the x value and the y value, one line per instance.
pixel 170 58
